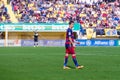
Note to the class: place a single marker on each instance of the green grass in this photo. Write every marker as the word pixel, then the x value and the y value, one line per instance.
pixel 46 63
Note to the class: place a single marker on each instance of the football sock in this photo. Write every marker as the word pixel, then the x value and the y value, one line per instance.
pixel 66 60
pixel 75 61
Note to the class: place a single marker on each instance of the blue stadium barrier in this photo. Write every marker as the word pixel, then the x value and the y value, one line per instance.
pixel 97 43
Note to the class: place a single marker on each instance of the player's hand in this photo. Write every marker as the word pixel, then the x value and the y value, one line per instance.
pixel 73 44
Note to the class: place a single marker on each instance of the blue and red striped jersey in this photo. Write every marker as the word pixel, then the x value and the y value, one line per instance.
pixel 69 33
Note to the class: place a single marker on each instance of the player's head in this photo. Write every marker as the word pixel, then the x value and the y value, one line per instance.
pixel 35 31
pixel 71 23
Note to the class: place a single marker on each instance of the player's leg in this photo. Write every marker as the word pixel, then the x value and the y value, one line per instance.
pixel 37 43
pixel 66 59
pixel 34 43
pixel 74 59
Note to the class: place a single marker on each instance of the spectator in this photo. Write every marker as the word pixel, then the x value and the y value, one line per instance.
pixel 4 16
pixel 94 12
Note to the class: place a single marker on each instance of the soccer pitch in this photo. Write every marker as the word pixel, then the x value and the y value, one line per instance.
pixel 46 63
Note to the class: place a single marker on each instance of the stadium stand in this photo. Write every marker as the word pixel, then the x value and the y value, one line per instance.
pixel 96 14
pixel 100 14
pixel 4 16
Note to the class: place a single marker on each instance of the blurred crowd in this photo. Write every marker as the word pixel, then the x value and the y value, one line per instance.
pixel 4 16
pixel 89 14
pixel 98 14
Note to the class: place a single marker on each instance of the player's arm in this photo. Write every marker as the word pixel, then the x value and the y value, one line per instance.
pixel 70 36
pixel 71 40
pixel 77 42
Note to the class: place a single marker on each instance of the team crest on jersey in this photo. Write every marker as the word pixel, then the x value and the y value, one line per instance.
pixel 69 33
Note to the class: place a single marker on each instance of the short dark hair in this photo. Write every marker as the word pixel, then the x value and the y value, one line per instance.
pixel 71 22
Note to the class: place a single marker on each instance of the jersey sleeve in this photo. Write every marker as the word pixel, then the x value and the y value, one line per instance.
pixel 69 33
